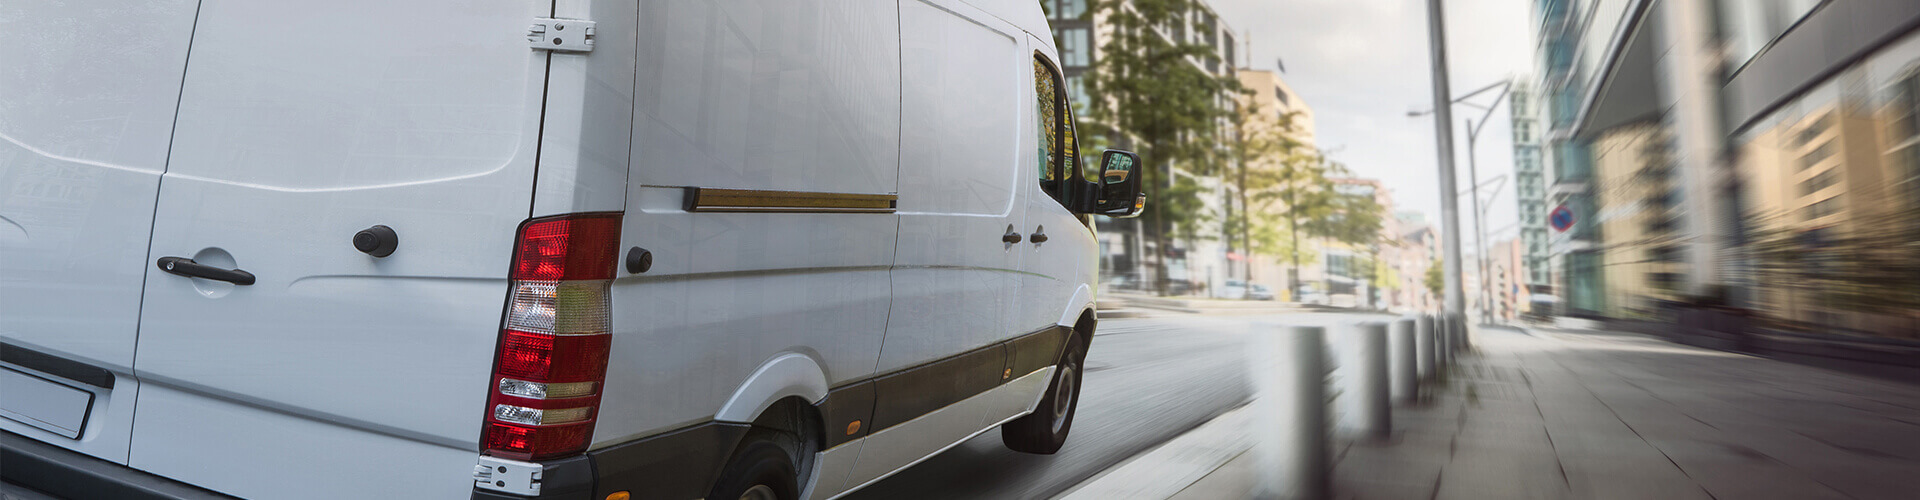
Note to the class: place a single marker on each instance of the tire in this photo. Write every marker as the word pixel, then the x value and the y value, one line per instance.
pixel 1045 430
pixel 759 470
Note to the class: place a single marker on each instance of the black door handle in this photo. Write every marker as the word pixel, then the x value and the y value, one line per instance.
pixel 187 267
pixel 1010 238
pixel 1039 237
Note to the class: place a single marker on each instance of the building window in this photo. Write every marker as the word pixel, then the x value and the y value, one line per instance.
pixel 1824 208
pixel 1077 92
pixel 1228 48
pixel 1664 281
pixel 1821 153
pixel 1818 182
pixel 1068 9
pixel 1073 46
pixel 1813 130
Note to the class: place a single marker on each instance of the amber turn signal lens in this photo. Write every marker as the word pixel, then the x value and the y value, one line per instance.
pixel 619 495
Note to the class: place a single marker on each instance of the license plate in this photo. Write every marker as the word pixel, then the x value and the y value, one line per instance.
pixel 47 405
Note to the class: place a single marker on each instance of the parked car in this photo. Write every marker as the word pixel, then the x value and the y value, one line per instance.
pixel 1259 292
pixel 405 251
pixel 1233 289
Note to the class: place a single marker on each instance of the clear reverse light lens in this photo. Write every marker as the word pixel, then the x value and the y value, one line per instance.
pixel 535 416
pixel 541 390
pixel 560 307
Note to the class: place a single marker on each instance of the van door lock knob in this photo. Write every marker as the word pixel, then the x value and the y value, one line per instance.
pixel 639 260
pixel 378 241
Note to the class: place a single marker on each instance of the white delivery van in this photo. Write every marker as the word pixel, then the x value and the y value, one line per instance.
pixel 587 249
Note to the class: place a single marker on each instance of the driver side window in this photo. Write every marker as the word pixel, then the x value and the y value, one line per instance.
pixel 1058 153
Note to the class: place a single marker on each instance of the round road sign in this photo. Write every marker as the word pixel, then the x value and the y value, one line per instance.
pixel 1561 217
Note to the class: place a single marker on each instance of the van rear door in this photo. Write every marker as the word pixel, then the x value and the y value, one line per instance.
pixel 84 125
pixel 336 373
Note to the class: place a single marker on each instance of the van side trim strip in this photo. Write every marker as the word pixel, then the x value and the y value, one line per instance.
pixel 56 366
pixel 699 199
pixel 70 474
pixel 906 394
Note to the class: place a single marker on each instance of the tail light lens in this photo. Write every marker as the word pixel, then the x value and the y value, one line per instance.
pixel 552 361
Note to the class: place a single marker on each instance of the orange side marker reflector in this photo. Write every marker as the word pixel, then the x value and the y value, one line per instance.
pixel 853 428
pixel 619 495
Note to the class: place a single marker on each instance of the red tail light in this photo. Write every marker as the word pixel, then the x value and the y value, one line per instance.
pixel 552 361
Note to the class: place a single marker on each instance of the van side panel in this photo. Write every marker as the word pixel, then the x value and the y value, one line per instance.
pixel 756 96
pixel 84 125
pixel 768 94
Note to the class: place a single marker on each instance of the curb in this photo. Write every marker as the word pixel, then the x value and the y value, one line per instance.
pixel 1166 469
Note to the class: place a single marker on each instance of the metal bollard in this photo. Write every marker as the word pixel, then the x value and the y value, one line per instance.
pixel 1461 341
pixel 1423 356
pixel 1288 369
pixel 1403 372
pixel 1443 344
pixel 1363 376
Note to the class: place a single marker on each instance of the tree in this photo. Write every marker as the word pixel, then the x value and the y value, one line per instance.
pixel 1148 88
pixel 1436 278
pixel 1304 194
pixel 1261 145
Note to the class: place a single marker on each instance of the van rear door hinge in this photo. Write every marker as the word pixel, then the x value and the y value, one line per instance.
pixel 564 35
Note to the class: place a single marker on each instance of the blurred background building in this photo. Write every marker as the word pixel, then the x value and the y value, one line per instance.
pixel 1758 155
pixel 1529 188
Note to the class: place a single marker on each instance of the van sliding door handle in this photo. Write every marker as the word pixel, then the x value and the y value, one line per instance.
pixel 1039 238
pixel 187 267
pixel 1010 238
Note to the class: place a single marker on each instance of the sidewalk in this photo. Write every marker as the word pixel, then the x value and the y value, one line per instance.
pixel 1556 414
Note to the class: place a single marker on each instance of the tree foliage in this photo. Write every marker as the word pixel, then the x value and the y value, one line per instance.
pixel 1148 88
pixel 1435 278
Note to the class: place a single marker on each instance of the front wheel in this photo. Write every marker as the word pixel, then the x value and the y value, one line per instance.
pixel 1045 430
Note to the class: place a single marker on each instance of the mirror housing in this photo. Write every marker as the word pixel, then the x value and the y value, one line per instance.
pixel 1118 193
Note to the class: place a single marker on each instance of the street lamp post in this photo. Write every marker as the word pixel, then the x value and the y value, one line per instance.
pixel 1480 235
pixel 1443 131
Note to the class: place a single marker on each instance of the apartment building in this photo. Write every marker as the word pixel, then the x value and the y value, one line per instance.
pixel 1530 188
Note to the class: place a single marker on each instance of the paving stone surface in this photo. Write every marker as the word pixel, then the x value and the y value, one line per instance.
pixel 1550 414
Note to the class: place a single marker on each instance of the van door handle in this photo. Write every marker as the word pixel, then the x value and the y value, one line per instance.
pixel 187 267
pixel 1010 238
pixel 1038 236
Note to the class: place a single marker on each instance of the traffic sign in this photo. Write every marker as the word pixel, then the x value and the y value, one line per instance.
pixel 1561 217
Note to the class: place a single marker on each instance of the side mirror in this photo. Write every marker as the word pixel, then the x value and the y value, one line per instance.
pixel 1119 193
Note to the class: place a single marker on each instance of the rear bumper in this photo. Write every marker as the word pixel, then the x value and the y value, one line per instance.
pixel 65 473
pixel 675 465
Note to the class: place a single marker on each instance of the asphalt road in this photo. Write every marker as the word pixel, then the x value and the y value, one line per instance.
pixel 1147 380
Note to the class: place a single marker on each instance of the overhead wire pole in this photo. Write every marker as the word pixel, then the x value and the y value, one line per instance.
pixel 1443 139
pixel 1473 175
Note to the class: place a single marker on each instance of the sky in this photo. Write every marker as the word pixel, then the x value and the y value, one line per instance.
pixel 1363 64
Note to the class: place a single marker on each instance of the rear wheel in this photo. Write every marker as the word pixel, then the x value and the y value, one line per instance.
pixel 1045 430
pixel 759 470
